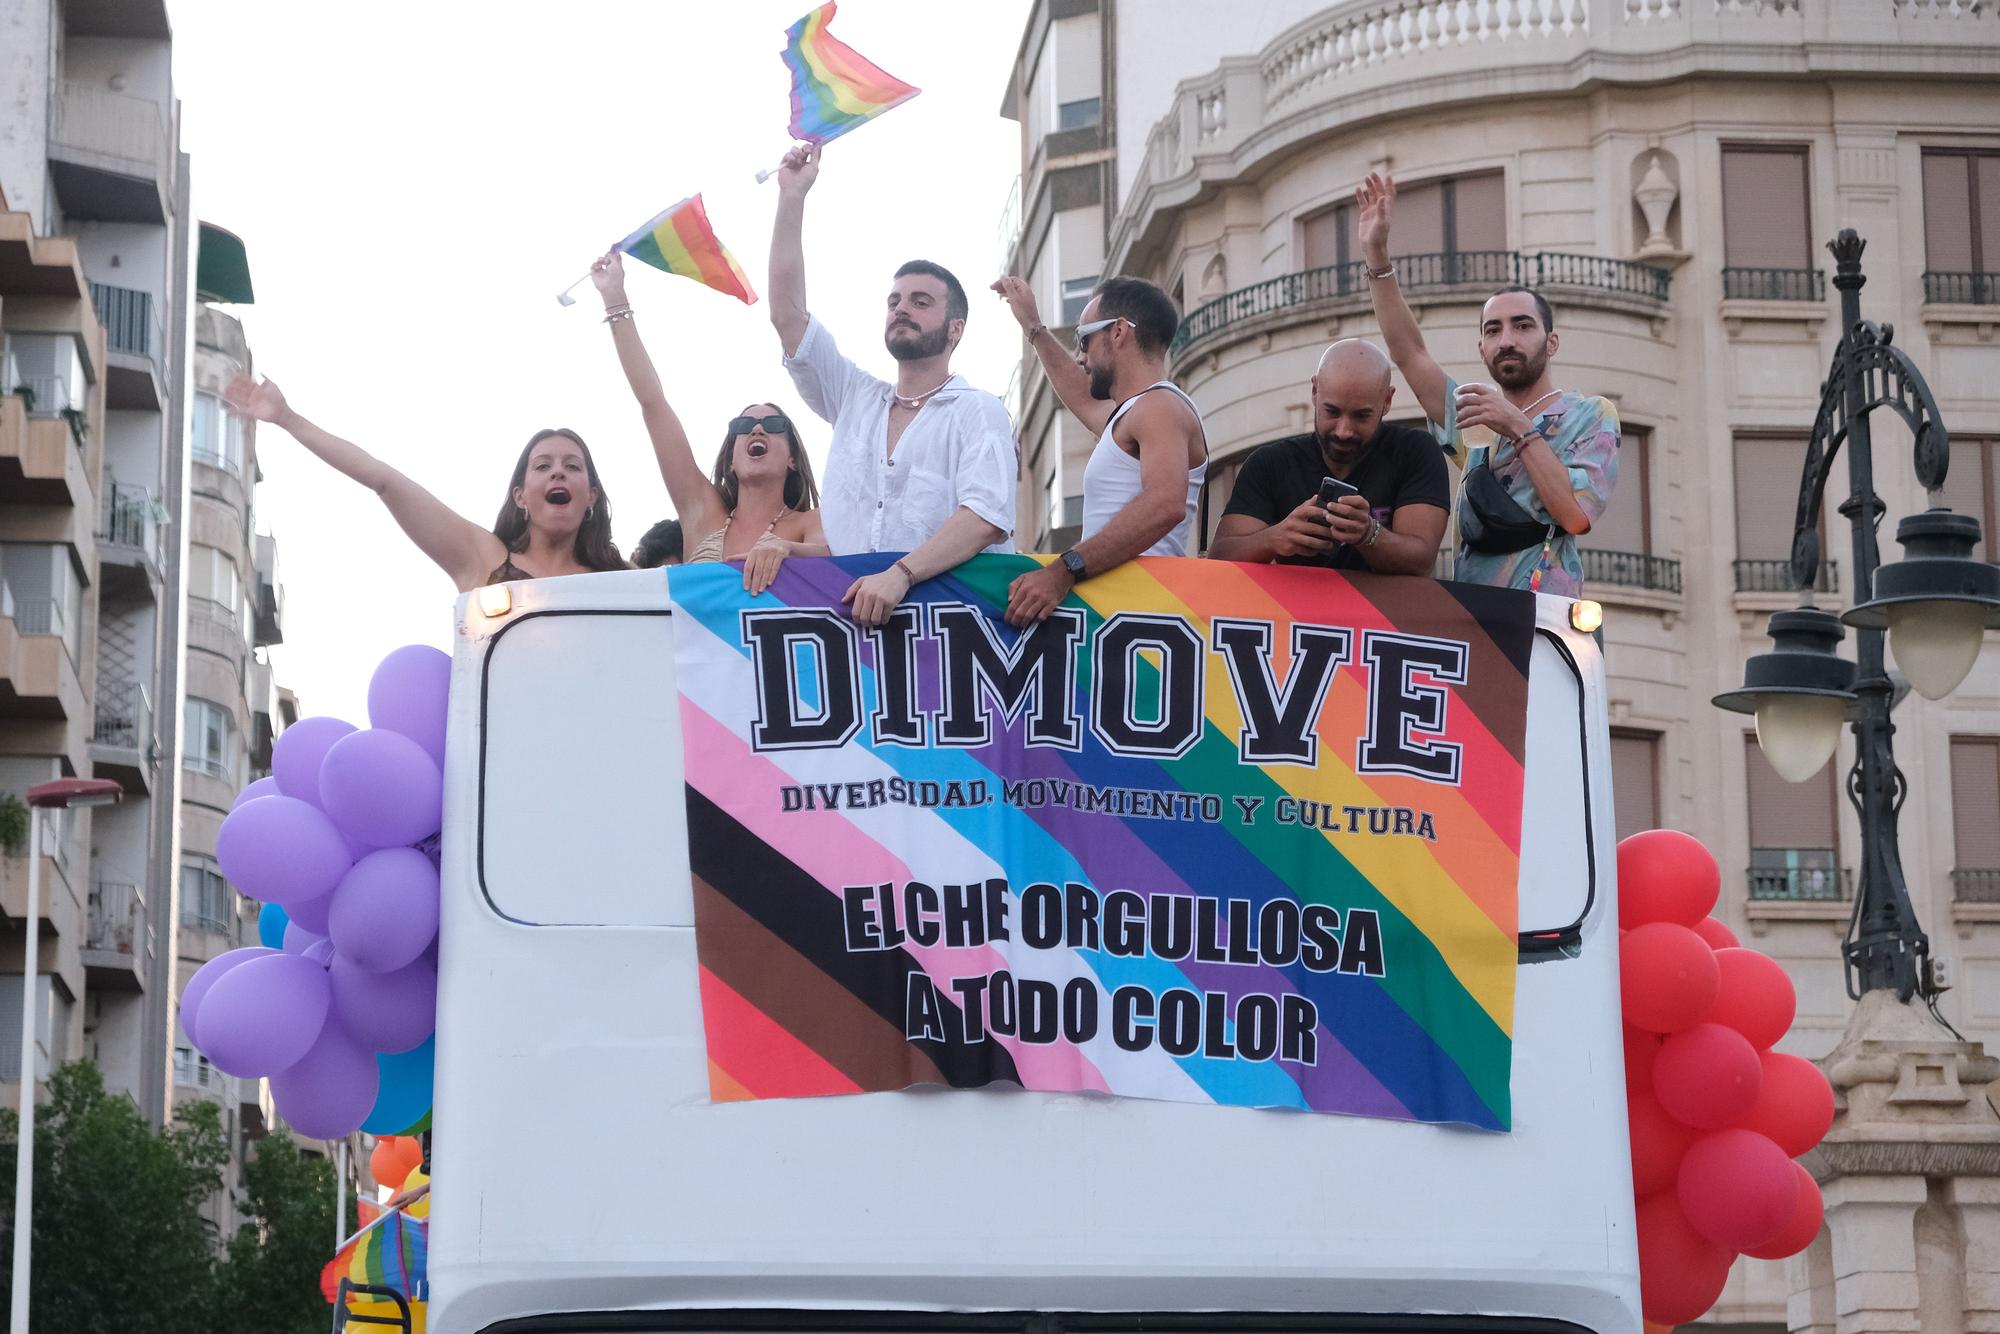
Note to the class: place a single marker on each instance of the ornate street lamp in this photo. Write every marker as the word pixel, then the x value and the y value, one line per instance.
pixel 1933 605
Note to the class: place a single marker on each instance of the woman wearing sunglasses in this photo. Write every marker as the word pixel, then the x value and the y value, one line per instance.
pixel 760 504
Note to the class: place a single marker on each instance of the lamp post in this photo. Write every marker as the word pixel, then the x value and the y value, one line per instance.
pixel 1933 607
pixel 60 795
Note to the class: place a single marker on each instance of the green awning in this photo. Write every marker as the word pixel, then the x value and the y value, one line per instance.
pixel 222 269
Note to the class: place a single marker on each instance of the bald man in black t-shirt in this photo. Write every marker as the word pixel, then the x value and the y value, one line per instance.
pixel 1393 522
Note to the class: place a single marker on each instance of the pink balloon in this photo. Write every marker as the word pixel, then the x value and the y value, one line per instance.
pixel 1737 1188
pixel 329 1092
pixel 1667 977
pixel 1794 1105
pixel 1798 1233
pixel 1707 1077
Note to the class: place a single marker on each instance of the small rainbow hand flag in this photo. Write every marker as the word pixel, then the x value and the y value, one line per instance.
pixel 681 241
pixel 392 1253
pixel 834 87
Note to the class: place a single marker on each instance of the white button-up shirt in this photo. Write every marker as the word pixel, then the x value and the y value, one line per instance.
pixel 957 451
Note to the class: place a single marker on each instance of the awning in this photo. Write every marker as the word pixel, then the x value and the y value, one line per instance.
pixel 222 269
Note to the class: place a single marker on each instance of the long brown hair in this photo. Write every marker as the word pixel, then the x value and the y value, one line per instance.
pixel 801 491
pixel 594 547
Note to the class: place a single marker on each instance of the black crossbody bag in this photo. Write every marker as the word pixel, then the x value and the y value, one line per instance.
pixel 1492 522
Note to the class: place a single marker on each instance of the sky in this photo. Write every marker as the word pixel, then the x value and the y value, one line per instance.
pixel 415 182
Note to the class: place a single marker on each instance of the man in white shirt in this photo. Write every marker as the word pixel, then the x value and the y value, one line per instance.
pixel 925 466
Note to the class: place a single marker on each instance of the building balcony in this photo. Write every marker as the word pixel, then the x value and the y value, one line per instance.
pixel 131 544
pixel 40 463
pixel 1427 279
pixel 1766 585
pixel 214 626
pixel 268 600
pixel 1976 884
pixel 122 740
pixel 263 697
pixel 117 937
pixel 1962 289
pixel 1773 285
pixel 57 904
pixel 110 156
pixel 1801 884
pixel 37 677
pixel 1631 569
pixel 134 344
pixel 218 477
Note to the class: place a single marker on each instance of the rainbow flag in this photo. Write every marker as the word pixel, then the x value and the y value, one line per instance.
pixel 834 87
pixel 393 1252
pixel 681 241
pixel 1222 833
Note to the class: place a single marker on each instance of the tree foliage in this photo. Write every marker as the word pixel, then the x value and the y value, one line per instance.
pixel 271 1281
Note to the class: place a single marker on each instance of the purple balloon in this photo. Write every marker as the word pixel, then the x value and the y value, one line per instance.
pixel 204 981
pixel 385 910
pixel 330 1091
pixel 390 1012
pixel 263 787
pixel 281 850
pixel 382 788
pixel 265 1015
pixel 300 748
pixel 408 694
pixel 311 913
pixel 298 939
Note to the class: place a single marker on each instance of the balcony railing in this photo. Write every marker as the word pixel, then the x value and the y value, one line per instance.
pixel 1965 289
pixel 1976 884
pixel 131 519
pixel 1774 284
pixel 124 715
pixel 129 322
pixel 192 1069
pixel 1801 884
pixel 1775 576
pixel 96 121
pixel 40 616
pixel 208 611
pixel 1631 569
pixel 117 918
pixel 1418 273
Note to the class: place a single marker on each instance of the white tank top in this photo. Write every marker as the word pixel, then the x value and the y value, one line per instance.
pixel 1112 479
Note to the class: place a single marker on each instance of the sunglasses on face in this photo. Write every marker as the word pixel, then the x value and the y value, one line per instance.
pixel 1084 332
pixel 775 424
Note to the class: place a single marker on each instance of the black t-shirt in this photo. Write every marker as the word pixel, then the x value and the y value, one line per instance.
pixel 1403 466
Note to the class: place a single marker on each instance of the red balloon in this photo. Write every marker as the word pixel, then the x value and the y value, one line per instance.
pixel 1681 1272
pixel 1718 936
pixel 1668 977
pixel 1806 1218
pixel 1737 1188
pixel 1658 1144
pixel 1755 997
pixel 1708 1077
pixel 1641 1047
pixel 1665 876
pixel 1794 1106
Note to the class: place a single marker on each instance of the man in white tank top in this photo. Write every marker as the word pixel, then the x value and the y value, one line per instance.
pixel 1143 482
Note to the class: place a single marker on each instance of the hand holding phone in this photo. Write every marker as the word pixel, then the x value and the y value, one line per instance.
pixel 1332 489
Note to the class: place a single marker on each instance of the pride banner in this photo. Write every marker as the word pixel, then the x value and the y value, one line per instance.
pixel 1211 833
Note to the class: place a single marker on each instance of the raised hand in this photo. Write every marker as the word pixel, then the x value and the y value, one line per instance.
pixel 1375 201
pixel 799 170
pixel 1020 299
pixel 263 402
pixel 608 273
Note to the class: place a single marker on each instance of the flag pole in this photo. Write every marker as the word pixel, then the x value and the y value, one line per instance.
pixel 564 298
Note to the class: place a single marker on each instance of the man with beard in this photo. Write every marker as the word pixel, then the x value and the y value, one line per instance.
pixel 924 466
pixel 1391 517
pixel 1142 485
pixel 1553 462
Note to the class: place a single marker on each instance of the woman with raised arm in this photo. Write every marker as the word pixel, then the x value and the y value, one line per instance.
pixel 759 504
pixel 555 520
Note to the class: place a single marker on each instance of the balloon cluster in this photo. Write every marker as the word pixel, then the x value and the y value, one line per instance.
pixel 337 1007
pixel 1716 1116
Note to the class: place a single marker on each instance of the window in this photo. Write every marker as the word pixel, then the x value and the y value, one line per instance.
pixel 1962 225
pixel 1975 818
pixel 45 585
pixel 191 1067
pixel 1451 215
pixel 1766 224
pixel 212 575
pixel 1767 488
pixel 207 901
pixel 1626 524
pixel 1973 487
pixel 1075 296
pixel 1635 784
pixel 1078 115
pixel 209 743
pixel 1793 845
pixel 218 436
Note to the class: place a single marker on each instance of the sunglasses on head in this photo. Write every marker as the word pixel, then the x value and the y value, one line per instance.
pixel 1084 332
pixel 775 424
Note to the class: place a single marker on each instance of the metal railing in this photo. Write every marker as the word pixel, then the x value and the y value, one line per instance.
pixel 208 611
pixel 96 121
pixel 117 916
pixel 1968 289
pixel 124 715
pixel 1631 569
pixel 130 324
pixel 215 457
pixel 1801 884
pixel 1774 284
pixel 192 1068
pixel 1976 884
pixel 1775 576
pixel 40 616
pixel 1416 273
pixel 131 519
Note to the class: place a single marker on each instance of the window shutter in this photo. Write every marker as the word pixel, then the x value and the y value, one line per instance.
pixel 1325 236
pixel 1788 815
pixel 1479 212
pixel 1622 526
pixel 1947 213
pixel 1767 485
pixel 1975 803
pixel 1635 781
pixel 1765 222
pixel 1419 220
pixel 1988 180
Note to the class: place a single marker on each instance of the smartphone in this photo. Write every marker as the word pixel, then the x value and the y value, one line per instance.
pixel 1332 489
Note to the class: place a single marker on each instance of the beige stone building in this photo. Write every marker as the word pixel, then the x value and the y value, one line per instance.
pixel 1666 172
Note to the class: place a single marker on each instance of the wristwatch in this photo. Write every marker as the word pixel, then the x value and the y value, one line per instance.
pixel 1073 563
